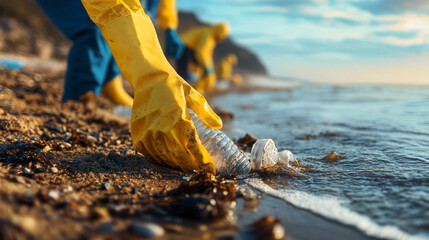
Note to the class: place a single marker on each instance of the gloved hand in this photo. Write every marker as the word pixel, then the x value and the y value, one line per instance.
pixel 236 79
pixel 206 84
pixel 174 45
pixel 161 127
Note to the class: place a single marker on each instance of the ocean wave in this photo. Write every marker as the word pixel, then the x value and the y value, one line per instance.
pixel 333 208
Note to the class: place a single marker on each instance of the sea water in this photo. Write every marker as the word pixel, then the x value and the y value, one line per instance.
pixel 381 187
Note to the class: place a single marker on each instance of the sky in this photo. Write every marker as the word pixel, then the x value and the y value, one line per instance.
pixel 339 41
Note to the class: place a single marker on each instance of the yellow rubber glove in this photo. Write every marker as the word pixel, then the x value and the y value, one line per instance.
pixel 206 84
pixel 203 40
pixel 236 79
pixel 161 127
pixel 225 66
pixel 115 92
pixel 167 14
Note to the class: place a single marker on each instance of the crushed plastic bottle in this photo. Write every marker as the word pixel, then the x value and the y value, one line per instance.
pixel 227 157
pixel 264 154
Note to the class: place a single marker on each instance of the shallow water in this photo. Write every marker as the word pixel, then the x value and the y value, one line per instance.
pixel 382 186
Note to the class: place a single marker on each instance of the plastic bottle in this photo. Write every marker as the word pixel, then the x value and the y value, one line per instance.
pixel 227 157
pixel 264 154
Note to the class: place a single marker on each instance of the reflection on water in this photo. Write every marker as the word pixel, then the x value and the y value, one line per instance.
pixel 383 131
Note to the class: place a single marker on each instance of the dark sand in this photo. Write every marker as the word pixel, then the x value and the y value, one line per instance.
pixel 69 171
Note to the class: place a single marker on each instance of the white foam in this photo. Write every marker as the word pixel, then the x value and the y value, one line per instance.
pixel 332 208
pixel 264 81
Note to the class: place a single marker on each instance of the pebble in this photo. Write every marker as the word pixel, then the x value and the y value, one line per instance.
pixel 54 195
pixel 106 228
pixel 46 149
pixel 68 189
pixel 27 224
pixel 332 156
pixel 146 230
pixel 278 231
pixel 100 213
pixel 105 186
pixel 91 138
pixel 203 227
pixel 20 179
pixel 170 227
pixel 53 170
pixel 27 170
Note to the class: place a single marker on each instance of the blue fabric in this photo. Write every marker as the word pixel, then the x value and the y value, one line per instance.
pixel 174 45
pixel 11 64
pixel 152 8
pixel 208 70
pixel 90 63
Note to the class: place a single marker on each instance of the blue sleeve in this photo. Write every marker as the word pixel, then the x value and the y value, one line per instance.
pixel 152 8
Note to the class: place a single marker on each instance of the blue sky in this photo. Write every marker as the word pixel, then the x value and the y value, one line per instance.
pixel 343 41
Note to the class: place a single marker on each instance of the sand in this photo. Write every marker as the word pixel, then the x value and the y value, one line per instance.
pixel 69 171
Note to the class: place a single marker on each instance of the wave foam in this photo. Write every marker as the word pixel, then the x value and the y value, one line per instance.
pixel 332 208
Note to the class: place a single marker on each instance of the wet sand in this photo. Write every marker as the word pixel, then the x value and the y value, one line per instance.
pixel 70 171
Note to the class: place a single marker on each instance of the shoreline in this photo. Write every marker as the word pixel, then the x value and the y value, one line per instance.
pixel 60 163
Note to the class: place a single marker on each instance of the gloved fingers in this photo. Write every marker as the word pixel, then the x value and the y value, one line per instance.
pixel 180 148
pixel 199 105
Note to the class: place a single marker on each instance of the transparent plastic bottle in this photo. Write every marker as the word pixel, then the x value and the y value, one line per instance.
pixel 227 157
pixel 264 154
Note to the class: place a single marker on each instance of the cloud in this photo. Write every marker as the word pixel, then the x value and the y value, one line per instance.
pixel 380 7
pixel 404 35
pixel 351 15
pixel 405 24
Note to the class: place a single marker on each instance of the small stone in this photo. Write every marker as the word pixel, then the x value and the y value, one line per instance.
pixel 91 138
pixel 105 186
pixel 106 228
pixel 27 224
pixel 68 189
pixel 332 156
pixel 67 145
pixel 146 230
pixel 170 227
pixel 100 213
pixel 27 170
pixel 20 179
pixel 53 195
pixel 278 231
pixel 53 170
pixel 46 149
pixel 202 228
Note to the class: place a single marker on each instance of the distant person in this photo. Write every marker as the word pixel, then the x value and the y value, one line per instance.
pixel 224 70
pixel 91 66
pixel 200 43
